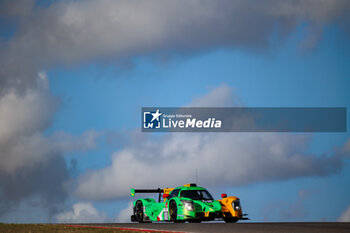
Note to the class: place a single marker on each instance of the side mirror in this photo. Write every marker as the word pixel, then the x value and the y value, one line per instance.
pixel 165 195
pixel 223 195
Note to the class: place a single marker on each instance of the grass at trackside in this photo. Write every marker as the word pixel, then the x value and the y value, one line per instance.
pixel 51 228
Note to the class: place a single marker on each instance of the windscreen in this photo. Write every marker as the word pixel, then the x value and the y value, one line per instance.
pixel 196 194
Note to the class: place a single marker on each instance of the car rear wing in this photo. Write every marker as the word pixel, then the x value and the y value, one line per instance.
pixel 158 190
pixel 133 191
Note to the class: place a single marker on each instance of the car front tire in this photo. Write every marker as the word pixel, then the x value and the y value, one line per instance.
pixel 173 211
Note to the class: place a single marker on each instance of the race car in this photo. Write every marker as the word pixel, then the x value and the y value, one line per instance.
pixel 185 203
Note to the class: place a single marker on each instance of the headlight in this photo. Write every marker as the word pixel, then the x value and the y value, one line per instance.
pixel 188 205
pixel 236 205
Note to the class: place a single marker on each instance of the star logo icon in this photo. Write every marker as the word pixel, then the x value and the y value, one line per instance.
pixel 156 115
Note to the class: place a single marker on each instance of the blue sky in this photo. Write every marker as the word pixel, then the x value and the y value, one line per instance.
pixel 102 90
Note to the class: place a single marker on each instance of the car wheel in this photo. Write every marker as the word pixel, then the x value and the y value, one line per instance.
pixel 228 220
pixel 139 211
pixel 173 211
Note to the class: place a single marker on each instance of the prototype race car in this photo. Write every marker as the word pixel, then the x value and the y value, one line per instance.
pixel 185 203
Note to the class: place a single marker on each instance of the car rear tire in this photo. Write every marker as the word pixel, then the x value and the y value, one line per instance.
pixel 139 211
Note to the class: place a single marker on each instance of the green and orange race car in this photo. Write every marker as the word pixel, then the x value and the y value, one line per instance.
pixel 185 203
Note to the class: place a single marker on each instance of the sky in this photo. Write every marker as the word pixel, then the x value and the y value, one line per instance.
pixel 74 76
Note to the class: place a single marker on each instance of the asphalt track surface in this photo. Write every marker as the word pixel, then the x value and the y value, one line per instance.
pixel 301 227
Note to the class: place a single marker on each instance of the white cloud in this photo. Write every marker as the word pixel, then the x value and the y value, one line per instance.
pixel 345 216
pixel 23 114
pixel 22 118
pixel 124 214
pixel 76 31
pixel 221 159
pixel 28 157
pixel 82 213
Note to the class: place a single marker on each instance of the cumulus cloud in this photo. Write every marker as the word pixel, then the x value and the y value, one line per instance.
pixel 23 117
pixel 345 216
pixel 220 158
pixel 76 31
pixel 31 163
pixel 82 213
pixel 21 114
